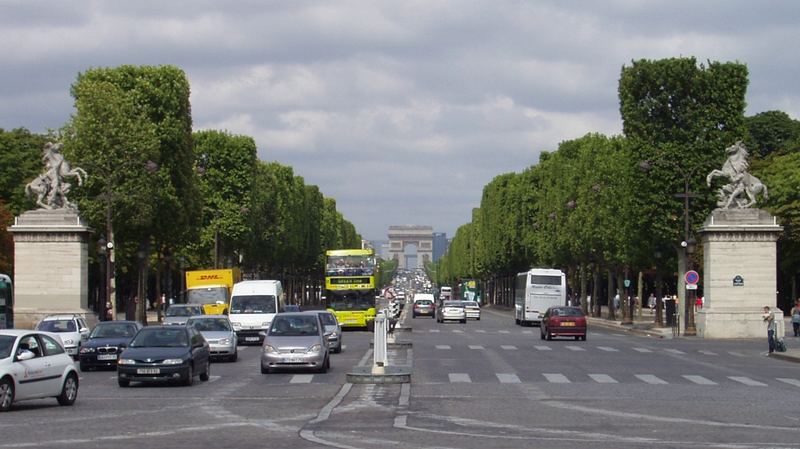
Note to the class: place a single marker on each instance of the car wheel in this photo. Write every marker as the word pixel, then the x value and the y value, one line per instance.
pixel 413 315
pixel 205 375
pixel 371 326
pixel 549 336
pixel 324 367
pixel 541 334
pixel 478 319
pixel 69 391
pixel 583 338
pixel 516 321
pixel 190 378
pixel 84 367
pixel 577 338
pixel 6 394
pixel 264 369
pixel 464 321
pixel 234 357
pixel 124 383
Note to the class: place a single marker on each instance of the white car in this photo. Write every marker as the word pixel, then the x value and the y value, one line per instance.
pixel 34 365
pixel 72 330
pixel 472 309
pixel 451 310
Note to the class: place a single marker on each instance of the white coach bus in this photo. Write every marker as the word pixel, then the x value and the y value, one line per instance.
pixel 535 291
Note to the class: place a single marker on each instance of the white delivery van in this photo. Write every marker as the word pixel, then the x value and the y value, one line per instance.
pixel 252 308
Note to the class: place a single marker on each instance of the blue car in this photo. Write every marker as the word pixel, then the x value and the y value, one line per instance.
pixel 105 343
pixel 165 353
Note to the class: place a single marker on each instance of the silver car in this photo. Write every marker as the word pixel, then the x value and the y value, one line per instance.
pixel 451 310
pixel 219 334
pixel 295 340
pixel 473 309
pixel 333 332
pixel 177 314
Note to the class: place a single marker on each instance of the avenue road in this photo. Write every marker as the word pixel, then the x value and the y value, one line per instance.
pixel 484 384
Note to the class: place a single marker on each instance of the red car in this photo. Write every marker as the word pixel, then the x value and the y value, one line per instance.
pixel 563 322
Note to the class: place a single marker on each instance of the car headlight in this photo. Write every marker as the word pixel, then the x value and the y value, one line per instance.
pixel 333 335
pixel 268 348
pixel 85 350
pixel 315 348
pixel 225 341
pixel 266 324
pixel 126 362
pixel 172 361
pixel 236 324
pixel 68 341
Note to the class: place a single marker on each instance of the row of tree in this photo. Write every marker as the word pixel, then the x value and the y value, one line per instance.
pixel 172 199
pixel 605 208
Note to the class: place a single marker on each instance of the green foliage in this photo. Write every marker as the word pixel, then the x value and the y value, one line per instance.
pixel 6 241
pixel 20 162
pixel 772 132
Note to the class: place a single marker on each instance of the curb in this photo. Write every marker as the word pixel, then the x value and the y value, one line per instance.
pixel 392 375
pixel 613 325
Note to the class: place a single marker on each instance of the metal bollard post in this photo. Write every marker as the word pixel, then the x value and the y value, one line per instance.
pixel 379 344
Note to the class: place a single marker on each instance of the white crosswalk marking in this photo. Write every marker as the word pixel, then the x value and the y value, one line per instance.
pixel 509 347
pixel 747 381
pixel 481 331
pixel 794 382
pixel 575 348
pixel 703 351
pixel 674 351
pixel 642 350
pixel 433 330
pixel 507 378
pixel 542 348
pixel 607 349
pixel 651 379
pixel 700 380
pixel 301 379
pixel 442 346
pixel 503 332
pixel 458 331
pixel 603 378
pixel 556 378
pixel 475 347
pixel 737 354
pixel 459 377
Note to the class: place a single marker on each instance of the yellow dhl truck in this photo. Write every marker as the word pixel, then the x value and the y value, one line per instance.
pixel 211 289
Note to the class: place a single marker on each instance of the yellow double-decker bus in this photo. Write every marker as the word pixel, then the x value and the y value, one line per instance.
pixel 350 286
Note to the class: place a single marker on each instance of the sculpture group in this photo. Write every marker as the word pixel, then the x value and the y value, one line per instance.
pixel 743 187
pixel 50 187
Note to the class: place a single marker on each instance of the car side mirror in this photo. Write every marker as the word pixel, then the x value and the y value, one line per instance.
pixel 24 354
pixel 262 334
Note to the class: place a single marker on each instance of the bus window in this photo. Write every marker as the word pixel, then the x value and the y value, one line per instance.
pixel 6 303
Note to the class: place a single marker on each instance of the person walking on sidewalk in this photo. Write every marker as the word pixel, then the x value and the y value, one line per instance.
pixel 796 318
pixel 769 318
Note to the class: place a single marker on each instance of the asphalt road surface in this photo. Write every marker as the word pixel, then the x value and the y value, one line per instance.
pixel 484 384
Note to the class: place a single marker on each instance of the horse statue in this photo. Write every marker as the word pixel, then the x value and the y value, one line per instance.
pixel 741 182
pixel 49 187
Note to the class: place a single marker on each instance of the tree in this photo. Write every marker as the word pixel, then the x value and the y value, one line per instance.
pixel 772 131
pixel 20 162
pixel 6 240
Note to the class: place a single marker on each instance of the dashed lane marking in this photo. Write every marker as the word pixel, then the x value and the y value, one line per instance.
pixel 480 331
pixel 642 350
pixel 603 378
pixel 503 332
pixel 674 351
pixel 747 381
pixel 651 379
pixel 509 347
pixel 607 349
pixel 459 377
pixel 507 378
pixel 476 347
pixel 301 379
pixel 703 351
pixel 575 348
pixel 442 346
pixel 700 380
pixel 794 382
pixel 556 378
pixel 542 348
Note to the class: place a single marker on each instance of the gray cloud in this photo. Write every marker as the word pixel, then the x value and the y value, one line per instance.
pixel 402 111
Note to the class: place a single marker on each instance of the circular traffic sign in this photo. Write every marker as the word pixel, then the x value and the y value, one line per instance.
pixel 691 277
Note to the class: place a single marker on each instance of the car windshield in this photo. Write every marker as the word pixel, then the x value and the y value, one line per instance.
pixel 183 311
pixel 294 326
pixel 453 304
pixel 470 304
pixel 6 344
pixel 210 324
pixel 57 326
pixel 253 304
pixel 424 302
pixel 566 312
pixel 208 295
pixel 113 330
pixel 327 319
pixel 161 338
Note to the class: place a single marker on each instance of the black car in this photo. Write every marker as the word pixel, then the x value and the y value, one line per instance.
pixel 105 343
pixel 165 353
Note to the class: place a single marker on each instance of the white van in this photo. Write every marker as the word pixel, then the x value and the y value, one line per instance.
pixel 446 293
pixel 535 291
pixel 252 308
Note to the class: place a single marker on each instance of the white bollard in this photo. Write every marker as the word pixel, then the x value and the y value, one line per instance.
pixel 379 344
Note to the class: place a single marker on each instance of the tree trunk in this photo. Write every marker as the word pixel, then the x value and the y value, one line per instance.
pixel 624 300
pixel 596 290
pixel 659 320
pixel 583 281
pixel 640 294
pixel 612 314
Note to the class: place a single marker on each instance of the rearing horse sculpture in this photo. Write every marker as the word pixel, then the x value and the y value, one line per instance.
pixel 735 169
pixel 49 187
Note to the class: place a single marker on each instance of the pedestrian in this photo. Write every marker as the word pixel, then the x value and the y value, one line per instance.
pixel 796 318
pixel 769 318
pixel 651 301
pixel 109 311
pixel 616 302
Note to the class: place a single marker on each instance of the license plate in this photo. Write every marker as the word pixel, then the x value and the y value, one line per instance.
pixel 106 357
pixel 568 324
pixel 148 371
pixel 251 339
pixel 291 360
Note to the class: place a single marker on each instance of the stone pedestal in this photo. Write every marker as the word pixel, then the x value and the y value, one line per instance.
pixel 740 267
pixel 51 265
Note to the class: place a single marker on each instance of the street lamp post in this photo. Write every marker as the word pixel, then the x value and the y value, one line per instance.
pixel 102 299
pixel 106 249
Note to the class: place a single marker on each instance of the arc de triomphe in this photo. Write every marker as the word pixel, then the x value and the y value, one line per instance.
pixel 421 236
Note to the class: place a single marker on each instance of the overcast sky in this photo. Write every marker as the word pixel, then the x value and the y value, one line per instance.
pixel 400 110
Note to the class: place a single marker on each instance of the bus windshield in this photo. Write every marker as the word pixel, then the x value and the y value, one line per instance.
pixel 545 280
pixel 351 265
pixel 254 304
pixel 209 295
